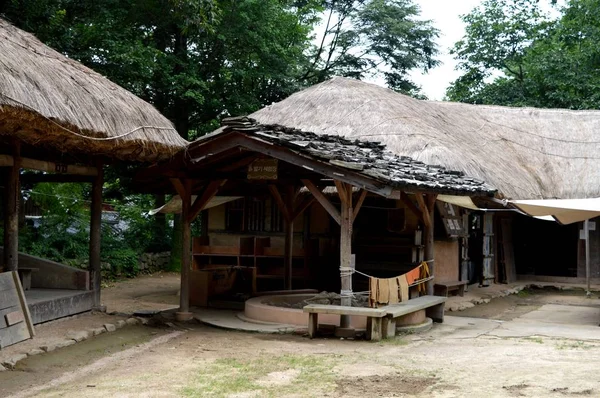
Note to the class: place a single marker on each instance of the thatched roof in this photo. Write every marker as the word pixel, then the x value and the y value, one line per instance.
pixel 50 101
pixel 526 153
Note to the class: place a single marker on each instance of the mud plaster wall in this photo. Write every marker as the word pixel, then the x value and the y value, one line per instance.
pixel 446 260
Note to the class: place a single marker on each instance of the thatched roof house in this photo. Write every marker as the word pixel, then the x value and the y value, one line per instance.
pixel 52 102
pixel 526 153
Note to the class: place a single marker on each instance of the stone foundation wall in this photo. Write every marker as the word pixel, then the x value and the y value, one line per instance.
pixel 152 262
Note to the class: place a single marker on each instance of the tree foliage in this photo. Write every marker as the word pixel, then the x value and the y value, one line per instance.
pixel 522 58
pixel 373 38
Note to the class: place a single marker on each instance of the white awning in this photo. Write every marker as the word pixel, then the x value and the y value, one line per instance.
pixel 462 201
pixel 565 211
pixel 174 205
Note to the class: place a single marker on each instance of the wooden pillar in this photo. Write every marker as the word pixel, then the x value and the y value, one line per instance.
pixel 186 254
pixel 428 238
pixel 11 213
pixel 289 237
pixel 345 192
pixel 95 234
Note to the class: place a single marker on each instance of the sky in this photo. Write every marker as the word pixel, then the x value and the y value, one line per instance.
pixel 445 15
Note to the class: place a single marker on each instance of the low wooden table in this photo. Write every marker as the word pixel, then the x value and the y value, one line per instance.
pixel 443 288
pixel 25 276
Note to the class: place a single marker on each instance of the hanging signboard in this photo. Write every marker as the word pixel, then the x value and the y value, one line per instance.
pixel 263 169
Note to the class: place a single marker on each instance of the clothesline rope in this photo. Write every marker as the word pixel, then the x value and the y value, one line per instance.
pixel 348 271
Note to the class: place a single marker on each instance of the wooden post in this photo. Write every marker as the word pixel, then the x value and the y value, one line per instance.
pixel 586 228
pixel 346 249
pixel 11 213
pixel 428 213
pixel 186 254
pixel 289 238
pixel 95 234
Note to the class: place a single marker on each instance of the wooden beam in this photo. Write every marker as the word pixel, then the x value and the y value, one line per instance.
pixel 430 201
pixel 95 236
pixel 179 187
pixel 346 253
pixel 283 208
pixel 49 167
pixel 327 205
pixel 410 205
pixel 56 178
pixel 302 206
pixel 11 212
pixel 424 209
pixel 200 202
pixel 359 203
pixel 240 163
pixel 342 191
pixel 428 234
pixel 290 199
pixel 186 251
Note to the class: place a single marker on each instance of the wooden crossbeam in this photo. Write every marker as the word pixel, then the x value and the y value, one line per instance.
pixel 411 206
pixel 424 209
pixel 302 206
pixel 285 212
pixel 359 203
pixel 209 193
pixel 49 167
pixel 179 187
pixel 327 205
pixel 342 191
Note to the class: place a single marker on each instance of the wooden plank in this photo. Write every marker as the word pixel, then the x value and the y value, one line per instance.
pixel 9 298
pixel 12 318
pixel 5 311
pixel 359 203
pixel 6 282
pixel 344 310
pixel 24 306
pixel 305 204
pixel 327 205
pixel 346 251
pixel 14 334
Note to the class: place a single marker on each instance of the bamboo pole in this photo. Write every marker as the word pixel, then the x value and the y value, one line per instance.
pixel 95 236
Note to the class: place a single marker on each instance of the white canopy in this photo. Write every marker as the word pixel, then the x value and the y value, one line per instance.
pixel 565 211
pixel 174 205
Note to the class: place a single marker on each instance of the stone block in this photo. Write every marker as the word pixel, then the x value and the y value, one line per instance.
pixel 78 335
pixel 97 331
pixel 2 368
pixel 132 321
pixel 120 323
pixel 48 347
pixel 110 327
pixel 35 351
pixel 11 362
pixel 65 343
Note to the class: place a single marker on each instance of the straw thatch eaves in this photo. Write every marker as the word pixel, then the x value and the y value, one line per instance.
pixel 49 101
pixel 365 157
pixel 526 153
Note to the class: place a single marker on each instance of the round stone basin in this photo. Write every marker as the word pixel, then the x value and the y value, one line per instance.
pixel 262 309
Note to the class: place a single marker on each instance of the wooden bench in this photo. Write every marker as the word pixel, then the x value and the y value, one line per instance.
pixel 25 276
pixel 434 306
pixel 374 317
pixel 443 288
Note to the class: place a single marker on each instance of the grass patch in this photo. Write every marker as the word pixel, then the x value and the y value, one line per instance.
pixel 574 345
pixel 228 376
pixel 534 340
pixel 397 341
pixel 525 293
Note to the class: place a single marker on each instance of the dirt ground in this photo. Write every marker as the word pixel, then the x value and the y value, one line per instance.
pixel 476 354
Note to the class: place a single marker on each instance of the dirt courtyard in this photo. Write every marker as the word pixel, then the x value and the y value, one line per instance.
pixel 535 344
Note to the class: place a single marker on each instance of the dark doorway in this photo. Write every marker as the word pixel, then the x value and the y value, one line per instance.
pixel 544 247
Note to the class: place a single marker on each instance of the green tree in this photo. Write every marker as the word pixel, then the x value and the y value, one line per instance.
pixel 373 38
pixel 523 59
